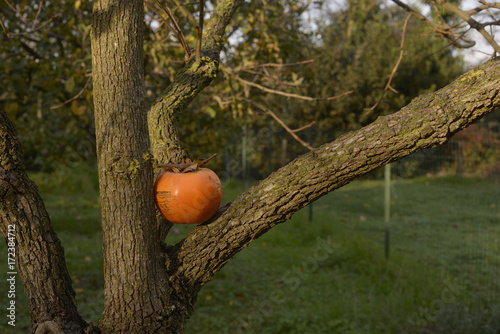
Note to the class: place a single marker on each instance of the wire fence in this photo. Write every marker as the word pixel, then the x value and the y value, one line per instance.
pixel 453 190
pixel 463 209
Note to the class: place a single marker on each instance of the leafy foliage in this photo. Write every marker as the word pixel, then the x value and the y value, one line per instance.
pixel 45 59
pixel 276 57
pixel 297 72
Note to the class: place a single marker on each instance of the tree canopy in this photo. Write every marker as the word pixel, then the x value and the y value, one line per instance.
pixel 272 59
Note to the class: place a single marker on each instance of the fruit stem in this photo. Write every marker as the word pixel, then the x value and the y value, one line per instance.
pixel 189 166
pixel 206 161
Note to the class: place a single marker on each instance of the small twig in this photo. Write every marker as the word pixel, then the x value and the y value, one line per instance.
pixel 290 131
pixel 270 77
pixel 291 95
pixel 187 14
pixel 485 5
pixel 277 65
pixel 473 23
pixel 450 43
pixel 20 16
pixel 200 31
pixel 181 37
pixel 46 23
pixel 4 30
pixel 232 73
pixel 304 127
pixel 438 13
pixel 175 28
pixel 491 23
pixel 74 97
pixel 388 85
pixel 37 14
pixel 29 50
pixel 338 96
pixel 156 11
pixel 445 31
pixel 36 28
pixel 206 161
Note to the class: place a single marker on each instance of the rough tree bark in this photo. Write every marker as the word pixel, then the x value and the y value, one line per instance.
pixel 135 290
pixel 39 256
pixel 188 83
pixel 150 288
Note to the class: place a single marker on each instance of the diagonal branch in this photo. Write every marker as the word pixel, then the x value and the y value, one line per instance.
pixel 428 121
pixel 37 14
pixel 484 6
pixel 193 78
pixel 303 62
pixel 185 12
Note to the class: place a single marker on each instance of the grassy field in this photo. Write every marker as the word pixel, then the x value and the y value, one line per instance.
pixel 328 275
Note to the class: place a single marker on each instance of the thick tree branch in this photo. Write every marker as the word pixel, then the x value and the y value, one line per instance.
pixel 188 83
pixel 131 243
pixel 427 121
pixel 39 256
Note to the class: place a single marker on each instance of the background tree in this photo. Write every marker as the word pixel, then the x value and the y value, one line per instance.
pixel 353 52
pixel 369 46
pixel 39 38
pixel 274 34
pixel 150 286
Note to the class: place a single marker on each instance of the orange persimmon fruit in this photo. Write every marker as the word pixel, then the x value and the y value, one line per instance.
pixel 188 197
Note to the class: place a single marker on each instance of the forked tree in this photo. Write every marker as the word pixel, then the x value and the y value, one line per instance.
pixel 151 287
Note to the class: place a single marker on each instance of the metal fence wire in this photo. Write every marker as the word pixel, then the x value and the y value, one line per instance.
pixel 459 218
pixel 464 175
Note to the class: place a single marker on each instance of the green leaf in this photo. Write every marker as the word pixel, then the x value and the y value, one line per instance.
pixel 210 112
pixel 12 108
pixel 69 85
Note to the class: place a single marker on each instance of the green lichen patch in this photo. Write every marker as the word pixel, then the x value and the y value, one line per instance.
pixel 472 76
pixel 134 168
pixel 127 167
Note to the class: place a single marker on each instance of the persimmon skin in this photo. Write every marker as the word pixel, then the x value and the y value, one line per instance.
pixel 188 198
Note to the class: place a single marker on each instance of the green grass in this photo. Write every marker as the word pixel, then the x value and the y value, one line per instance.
pixel 325 276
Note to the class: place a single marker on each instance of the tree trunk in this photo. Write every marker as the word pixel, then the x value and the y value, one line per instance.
pixel 136 288
pixel 33 244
